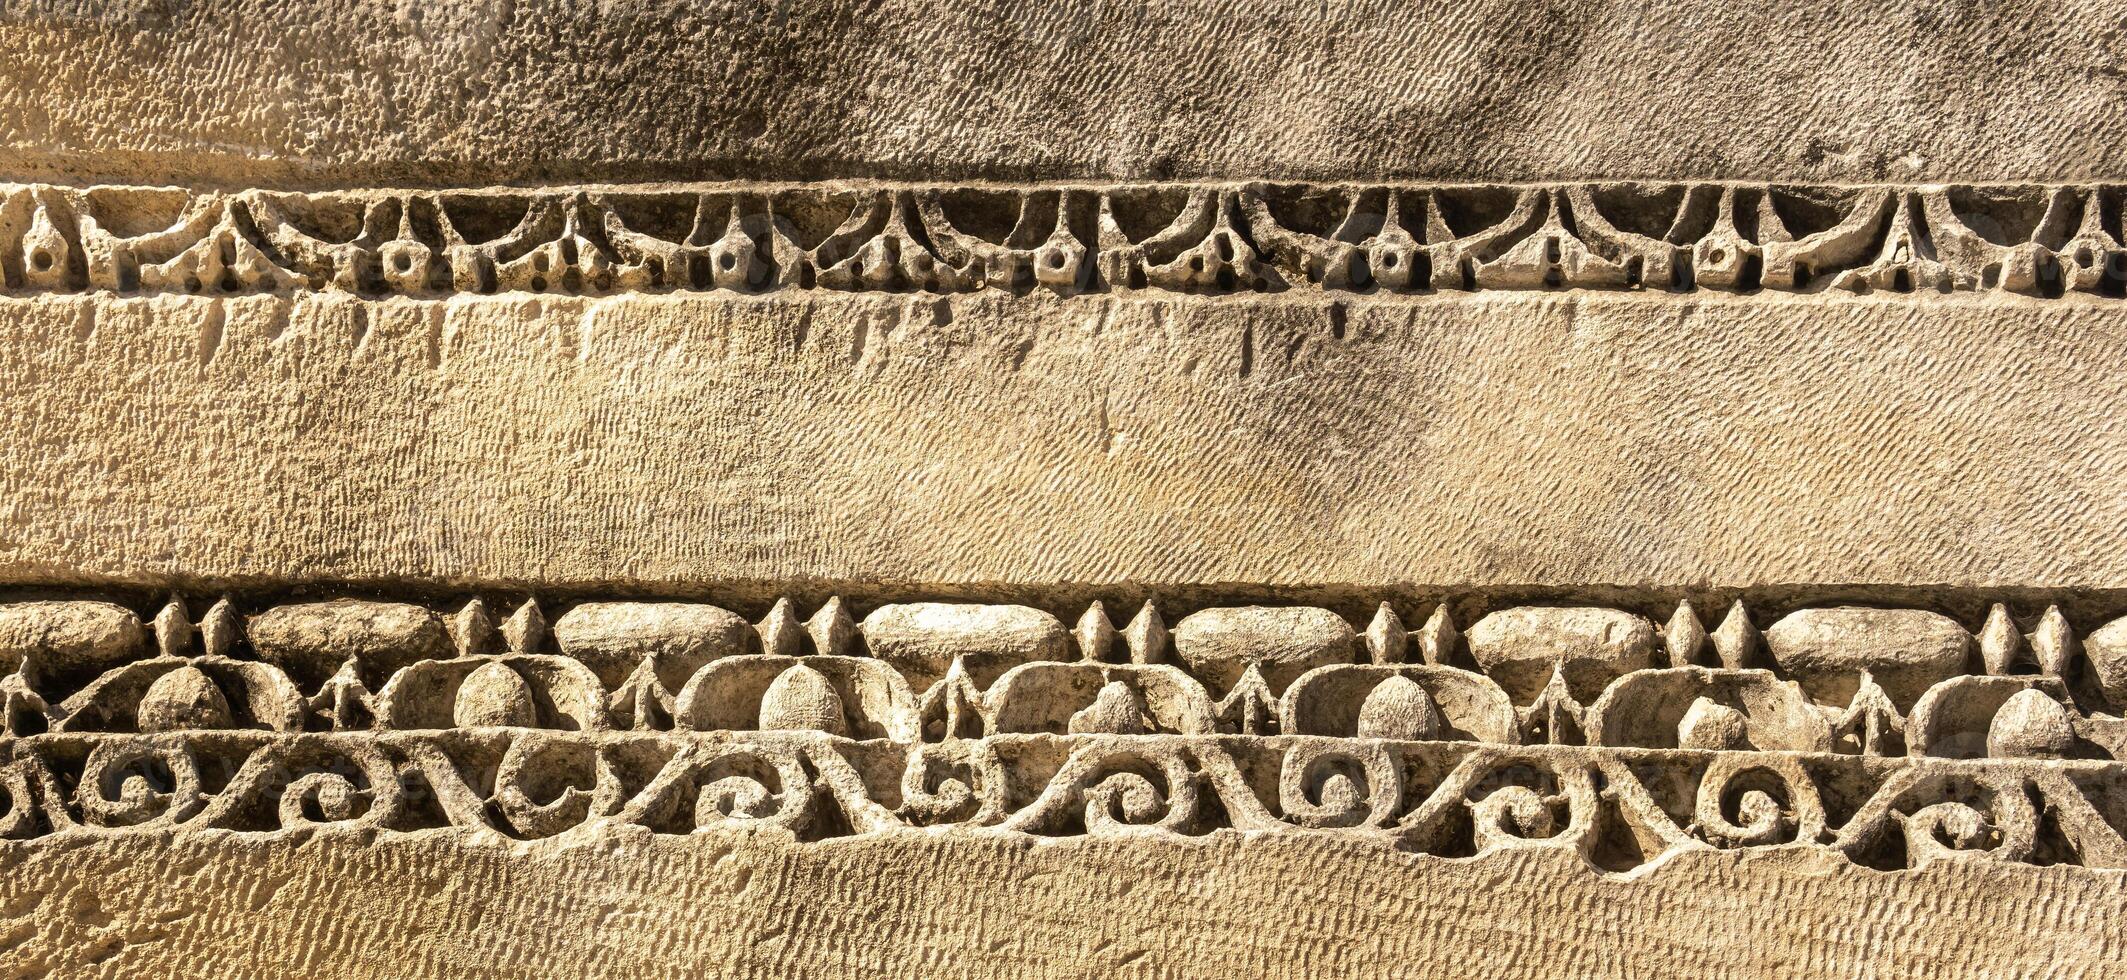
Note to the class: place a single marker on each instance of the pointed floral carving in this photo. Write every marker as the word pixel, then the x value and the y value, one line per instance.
pixel 344 700
pixel 526 629
pixel 1095 634
pixel 1735 641
pixel 1147 635
pixel 1437 638
pixel 781 632
pixel 1685 637
pixel 2053 643
pixel 1872 721
pixel 1386 637
pixel 831 629
pixel 173 629
pixel 961 709
pixel 472 630
pixel 1212 239
pixel 1555 718
pixel 1250 708
pixel 218 630
pixel 1998 641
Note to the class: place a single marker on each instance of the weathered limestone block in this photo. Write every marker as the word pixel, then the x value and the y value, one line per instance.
pixel 1372 240
pixel 867 388
pixel 1390 701
pixel 181 699
pixel 46 639
pixel 1964 718
pixel 2107 649
pixel 1399 708
pixel 799 699
pixel 924 639
pixel 547 90
pixel 674 638
pixel 493 694
pixel 1904 650
pixel 1698 708
pixel 2030 725
pixel 1522 647
pixel 632 412
pixel 312 640
pixel 1221 645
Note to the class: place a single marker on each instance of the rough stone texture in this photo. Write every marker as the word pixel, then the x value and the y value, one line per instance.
pixel 1524 646
pixel 2031 725
pixel 67 637
pixel 1497 440
pixel 924 639
pixel 311 640
pixel 2107 649
pixel 1222 644
pixel 1248 409
pixel 675 638
pixel 516 90
pixel 1904 650
pixel 972 907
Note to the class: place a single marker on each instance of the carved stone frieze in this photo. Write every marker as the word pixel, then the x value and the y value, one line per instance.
pixel 1213 239
pixel 1891 736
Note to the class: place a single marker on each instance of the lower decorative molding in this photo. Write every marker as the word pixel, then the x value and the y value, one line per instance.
pixel 1890 736
pixel 1616 808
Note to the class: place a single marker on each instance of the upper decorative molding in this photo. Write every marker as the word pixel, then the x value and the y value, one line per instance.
pixel 1890 737
pixel 1217 239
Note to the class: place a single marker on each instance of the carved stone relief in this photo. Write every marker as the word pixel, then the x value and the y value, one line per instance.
pixel 1890 736
pixel 1213 239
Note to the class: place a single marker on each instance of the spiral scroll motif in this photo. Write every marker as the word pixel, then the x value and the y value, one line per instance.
pixel 140 784
pixel 1326 783
pixel 1749 802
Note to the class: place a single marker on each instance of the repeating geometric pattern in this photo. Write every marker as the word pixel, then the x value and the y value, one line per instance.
pixel 1890 736
pixel 1219 239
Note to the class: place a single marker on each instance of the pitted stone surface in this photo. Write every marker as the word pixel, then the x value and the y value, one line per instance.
pixel 1496 440
pixel 1379 240
pixel 312 640
pixel 506 92
pixel 1635 491
pixel 1587 647
pixel 50 638
pixel 675 638
pixel 665 907
pixel 1222 644
pixel 924 639
pixel 1904 650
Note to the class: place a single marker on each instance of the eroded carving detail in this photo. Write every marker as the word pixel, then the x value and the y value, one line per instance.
pixel 1892 737
pixel 2037 240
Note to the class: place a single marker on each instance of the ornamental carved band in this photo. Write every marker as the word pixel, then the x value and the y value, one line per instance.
pixel 778 489
pixel 1892 737
pixel 1216 239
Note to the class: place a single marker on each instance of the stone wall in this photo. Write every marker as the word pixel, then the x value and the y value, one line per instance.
pixel 340 93
pixel 823 489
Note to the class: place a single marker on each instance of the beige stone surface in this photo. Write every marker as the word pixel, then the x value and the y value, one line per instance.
pixel 1905 651
pixel 919 905
pixel 1497 440
pixel 338 91
pixel 1742 378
